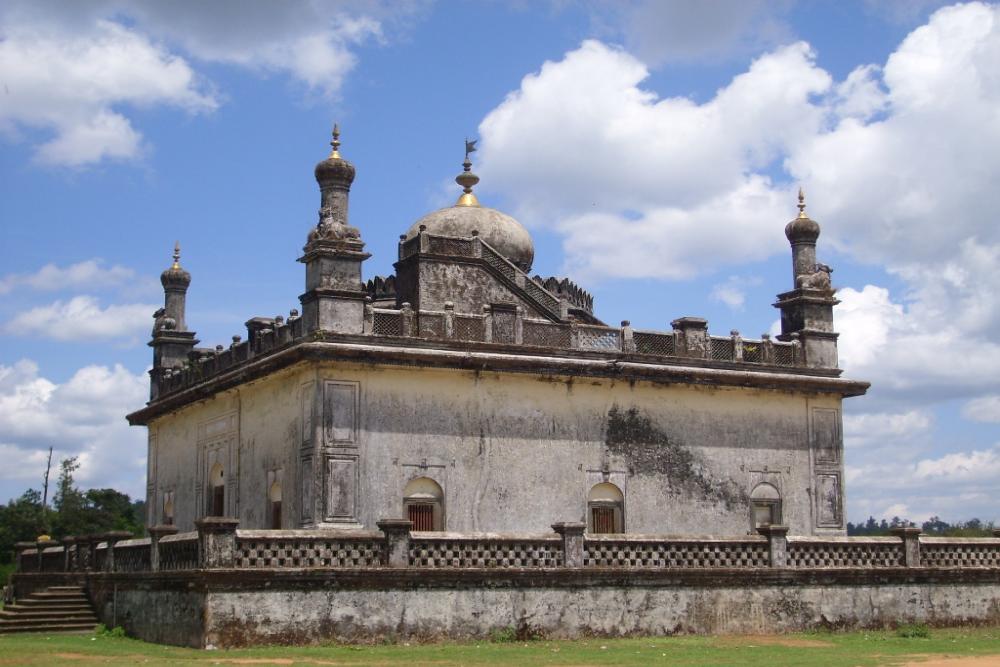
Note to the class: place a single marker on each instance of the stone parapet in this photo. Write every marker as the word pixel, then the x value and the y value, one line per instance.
pixel 218 544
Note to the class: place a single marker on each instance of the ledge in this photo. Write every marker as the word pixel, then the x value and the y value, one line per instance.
pixel 490 357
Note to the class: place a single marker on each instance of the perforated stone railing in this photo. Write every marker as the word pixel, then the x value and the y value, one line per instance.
pixel 133 555
pixel 267 335
pixel 487 328
pixel 448 550
pixel 218 544
pixel 850 552
pixel 958 552
pixel 301 548
pixel 179 552
pixel 630 552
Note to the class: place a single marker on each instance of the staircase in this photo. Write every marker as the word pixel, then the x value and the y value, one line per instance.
pixel 56 609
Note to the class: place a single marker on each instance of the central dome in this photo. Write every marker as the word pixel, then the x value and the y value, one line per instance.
pixel 503 233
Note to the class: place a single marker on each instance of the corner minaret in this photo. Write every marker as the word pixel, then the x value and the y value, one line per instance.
pixel 171 340
pixel 807 310
pixel 334 299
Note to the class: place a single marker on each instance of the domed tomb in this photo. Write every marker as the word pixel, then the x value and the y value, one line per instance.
pixel 503 233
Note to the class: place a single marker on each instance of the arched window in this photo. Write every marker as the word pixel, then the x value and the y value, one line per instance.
pixel 766 502
pixel 605 509
pixel 217 491
pixel 423 504
pixel 274 501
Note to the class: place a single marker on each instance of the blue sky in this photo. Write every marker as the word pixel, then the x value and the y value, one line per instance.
pixel 652 148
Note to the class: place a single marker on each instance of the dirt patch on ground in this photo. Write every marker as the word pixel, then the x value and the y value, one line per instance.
pixel 948 661
pixel 774 640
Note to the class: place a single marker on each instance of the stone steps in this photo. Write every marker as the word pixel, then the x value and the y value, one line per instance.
pixel 56 609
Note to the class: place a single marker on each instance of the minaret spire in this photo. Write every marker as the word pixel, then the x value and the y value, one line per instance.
pixel 171 341
pixel 335 153
pixel 467 179
pixel 802 204
pixel 335 296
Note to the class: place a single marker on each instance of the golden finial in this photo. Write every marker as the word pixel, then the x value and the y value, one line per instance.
pixel 335 153
pixel 177 255
pixel 802 203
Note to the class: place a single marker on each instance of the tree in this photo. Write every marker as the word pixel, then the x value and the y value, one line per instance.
pixel 21 520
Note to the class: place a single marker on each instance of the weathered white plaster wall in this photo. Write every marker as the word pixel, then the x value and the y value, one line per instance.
pixel 512 451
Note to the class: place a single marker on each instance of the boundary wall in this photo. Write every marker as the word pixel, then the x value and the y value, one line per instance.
pixel 221 586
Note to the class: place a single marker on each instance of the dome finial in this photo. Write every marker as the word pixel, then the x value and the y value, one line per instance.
pixel 335 153
pixel 177 255
pixel 802 203
pixel 467 179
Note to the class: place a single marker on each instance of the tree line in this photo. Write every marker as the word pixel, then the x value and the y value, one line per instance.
pixel 933 526
pixel 73 512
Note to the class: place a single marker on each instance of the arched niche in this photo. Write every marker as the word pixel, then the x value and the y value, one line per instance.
pixel 605 509
pixel 765 501
pixel 423 504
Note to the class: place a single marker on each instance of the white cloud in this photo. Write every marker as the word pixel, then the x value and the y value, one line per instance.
pixel 732 292
pixel 76 71
pixel 959 485
pixel 72 84
pixel 582 147
pixel 881 430
pixel 983 409
pixel 588 151
pixel 88 274
pixel 82 318
pixel 85 416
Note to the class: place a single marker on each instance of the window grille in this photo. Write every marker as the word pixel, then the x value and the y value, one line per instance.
pixel 422 516
pixel 603 519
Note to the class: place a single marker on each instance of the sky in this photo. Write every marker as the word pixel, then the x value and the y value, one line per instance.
pixel 653 149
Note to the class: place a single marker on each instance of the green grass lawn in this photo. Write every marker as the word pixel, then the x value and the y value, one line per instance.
pixel 826 649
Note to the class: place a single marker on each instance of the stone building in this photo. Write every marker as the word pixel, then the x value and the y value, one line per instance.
pixel 468 395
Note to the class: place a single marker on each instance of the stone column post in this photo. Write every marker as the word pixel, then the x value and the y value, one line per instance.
pixel 911 544
pixel 518 325
pixel 737 345
pixel 156 533
pixel 69 543
pixel 408 322
pixel 777 542
pixel 111 538
pixel 89 561
pixel 19 549
pixel 397 541
pixel 628 341
pixel 694 334
pixel 572 536
pixel 449 319
pixel 368 325
pixel 487 323
pixel 216 542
